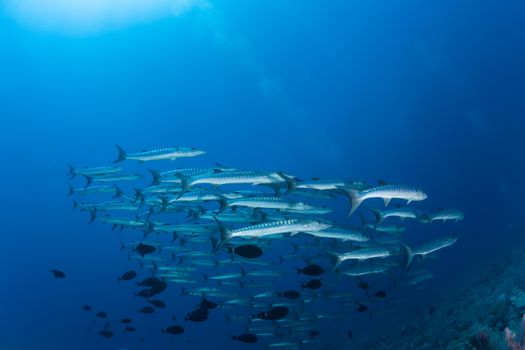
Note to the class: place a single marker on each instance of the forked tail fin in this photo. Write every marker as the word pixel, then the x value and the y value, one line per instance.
pixel 121 154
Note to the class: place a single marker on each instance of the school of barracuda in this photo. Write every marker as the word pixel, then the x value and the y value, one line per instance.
pixel 261 245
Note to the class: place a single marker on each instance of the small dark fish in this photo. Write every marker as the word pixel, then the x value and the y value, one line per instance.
pixel 313 333
pixel 147 310
pixel 130 329
pixel 431 310
pixel 144 293
pixel 248 251
pixel 313 284
pixel 102 314
pixel 106 333
pixel 245 338
pixel 197 315
pixel 126 320
pixel 173 330
pixel 126 276
pixel 380 294
pixel 208 305
pixel 157 303
pixel 58 273
pixel 158 288
pixel 149 282
pixel 311 270
pixel 144 249
pixel 87 308
pixel 362 284
pixel 361 307
pixel 276 313
pixel 350 334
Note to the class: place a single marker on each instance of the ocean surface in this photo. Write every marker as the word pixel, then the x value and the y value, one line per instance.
pixel 425 94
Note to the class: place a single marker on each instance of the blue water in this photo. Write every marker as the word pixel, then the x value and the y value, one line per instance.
pixel 423 93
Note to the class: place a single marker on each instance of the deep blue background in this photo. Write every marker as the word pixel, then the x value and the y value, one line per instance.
pixel 424 93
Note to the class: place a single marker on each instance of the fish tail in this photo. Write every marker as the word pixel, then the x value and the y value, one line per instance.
pixel 223 202
pixel 336 259
pixel 377 214
pixel 118 192
pixel 89 180
pixel 290 183
pixel 224 235
pixel 184 183
pixel 121 154
pixel 71 172
pixel 409 254
pixel 93 216
pixel 71 190
pixel 165 202
pixel 355 201
pixel 155 176
pixel 139 196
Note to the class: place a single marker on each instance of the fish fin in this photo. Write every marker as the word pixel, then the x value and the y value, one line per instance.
pixel 165 203
pixel 382 182
pixel 121 154
pixel 377 214
pixel 387 201
pixel 336 260
pixel 290 183
pixel 139 196
pixel 155 176
pixel 409 201
pixel 93 216
pixel 355 200
pixel 409 255
pixel 75 204
pixel 71 190
pixel 89 180
pixel 223 202
pixel 71 172
pixel 225 235
pixel 185 184
pixel 118 192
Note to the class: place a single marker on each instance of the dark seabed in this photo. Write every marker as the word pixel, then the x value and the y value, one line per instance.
pixel 412 114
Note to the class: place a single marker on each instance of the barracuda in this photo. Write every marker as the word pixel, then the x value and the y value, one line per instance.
pixel 401 213
pixel 266 203
pixel 388 228
pixel 103 170
pixel 331 185
pixel 112 178
pixel 427 248
pixel 114 205
pixel 361 255
pixel 387 193
pixel 271 228
pixel 233 177
pixel 340 233
pixel 447 214
pixel 361 270
pixel 163 188
pixel 171 153
pixel 95 190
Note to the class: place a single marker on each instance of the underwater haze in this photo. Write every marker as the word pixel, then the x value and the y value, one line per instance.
pixel 419 102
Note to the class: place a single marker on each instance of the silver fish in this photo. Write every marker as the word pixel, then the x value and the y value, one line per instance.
pixel 387 193
pixel 171 153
